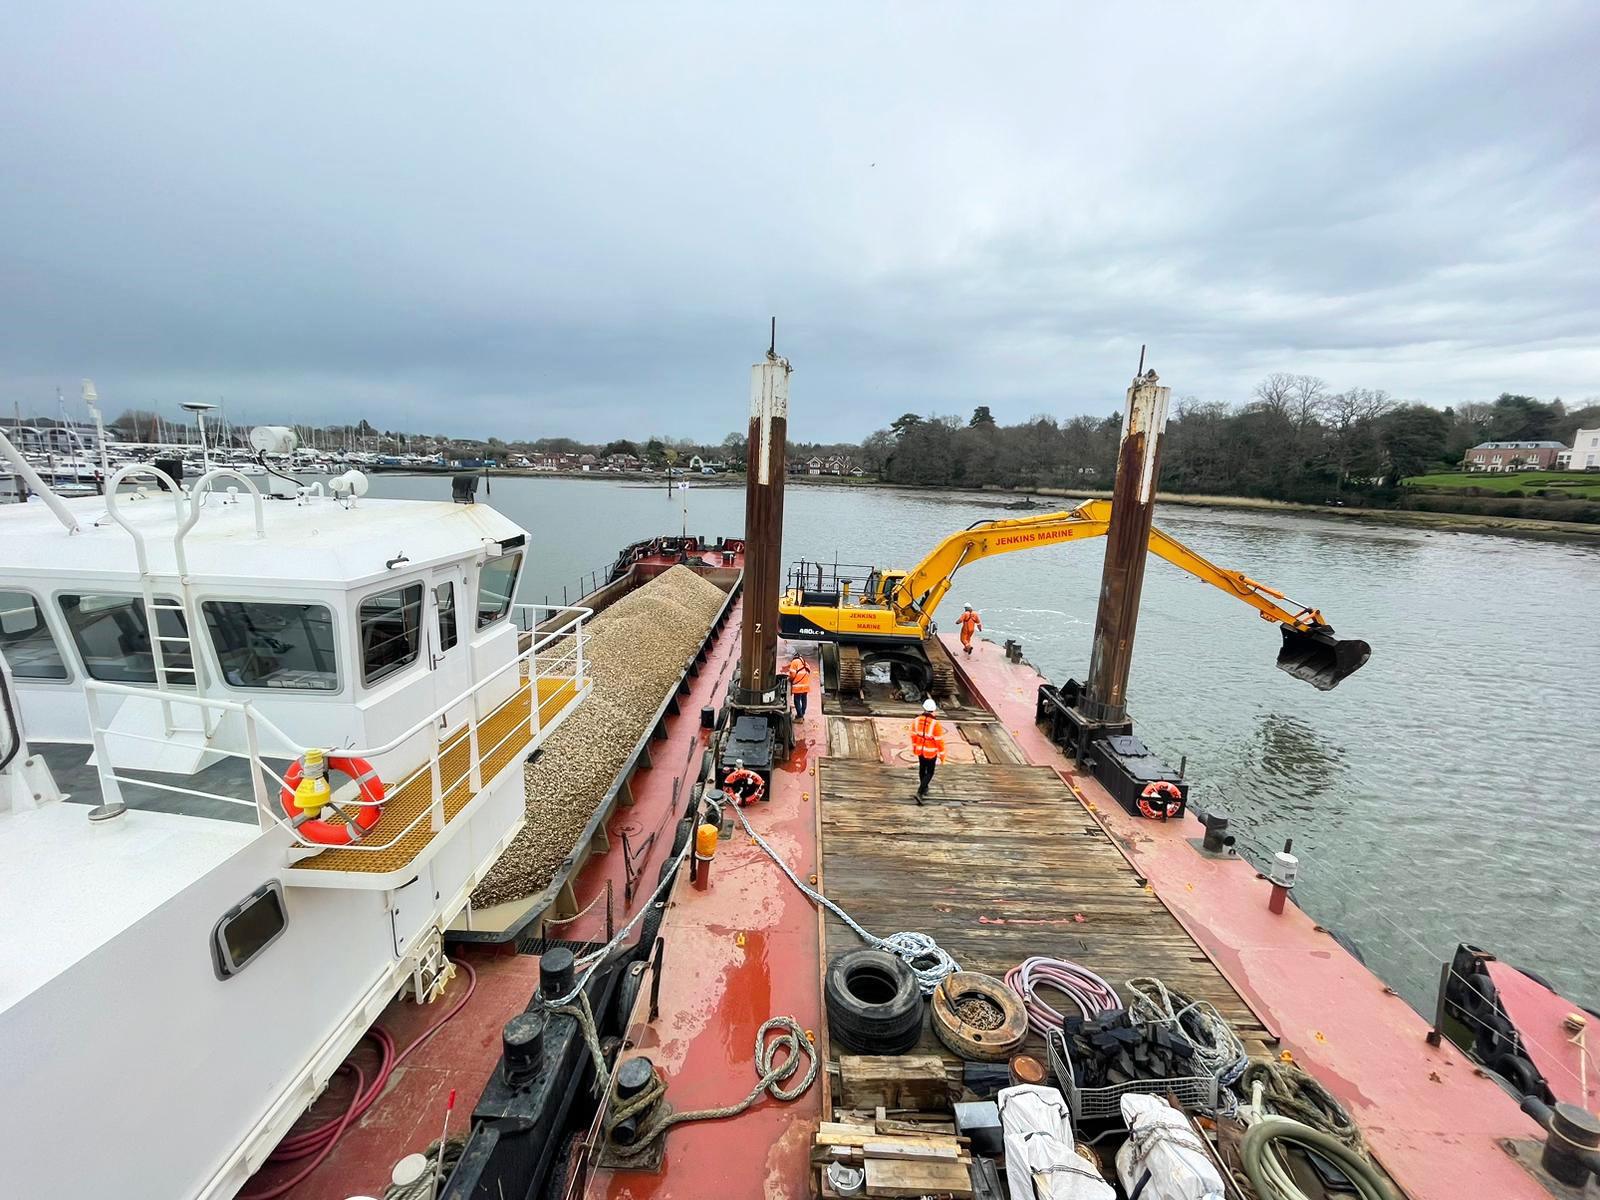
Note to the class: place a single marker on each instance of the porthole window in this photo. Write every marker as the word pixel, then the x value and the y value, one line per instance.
pixel 247 929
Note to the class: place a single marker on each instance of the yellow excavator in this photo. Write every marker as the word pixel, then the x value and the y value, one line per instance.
pixel 889 616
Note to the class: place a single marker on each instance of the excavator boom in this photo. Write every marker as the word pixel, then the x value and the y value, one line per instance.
pixel 1310 651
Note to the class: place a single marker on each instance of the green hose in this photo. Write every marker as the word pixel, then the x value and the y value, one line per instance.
pixel 1270 1178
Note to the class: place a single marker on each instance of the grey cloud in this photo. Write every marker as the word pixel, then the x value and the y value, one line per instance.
pixel 530 221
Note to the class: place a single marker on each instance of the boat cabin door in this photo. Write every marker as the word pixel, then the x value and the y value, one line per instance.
pixel 449 654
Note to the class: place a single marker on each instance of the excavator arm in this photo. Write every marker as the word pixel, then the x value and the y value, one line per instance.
pixel 1310 651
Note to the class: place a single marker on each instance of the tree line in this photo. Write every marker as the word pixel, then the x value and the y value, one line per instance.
pixel 1294 439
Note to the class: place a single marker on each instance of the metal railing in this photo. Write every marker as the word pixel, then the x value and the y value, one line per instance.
pixel 557 654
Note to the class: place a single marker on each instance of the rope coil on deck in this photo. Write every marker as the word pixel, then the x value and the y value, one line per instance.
pixel 915 948
pixel 790 1038
pixel 1290 1091
pixel 1216 1047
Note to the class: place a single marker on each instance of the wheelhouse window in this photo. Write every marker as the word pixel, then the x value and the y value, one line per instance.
pixel 389 623
pixel 444 600
pixel 26 640
pixel 272 645
pixel 497 580
pixel 113 638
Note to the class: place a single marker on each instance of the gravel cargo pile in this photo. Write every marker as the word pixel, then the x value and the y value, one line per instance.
pixel 636 651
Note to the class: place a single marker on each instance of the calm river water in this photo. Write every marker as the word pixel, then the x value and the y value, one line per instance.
pixel 1445 793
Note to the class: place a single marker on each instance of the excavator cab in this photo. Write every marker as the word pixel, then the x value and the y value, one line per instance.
pixel 1319 658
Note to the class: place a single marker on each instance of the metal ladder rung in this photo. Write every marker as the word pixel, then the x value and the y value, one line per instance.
pixel 163 637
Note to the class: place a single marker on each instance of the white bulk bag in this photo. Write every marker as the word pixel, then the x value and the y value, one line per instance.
pixel 1040 1161
pixel 1161 1141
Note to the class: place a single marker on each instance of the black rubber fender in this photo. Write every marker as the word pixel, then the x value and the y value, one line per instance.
pixel 1517 1071
pixel 874 1004
pixel 650 927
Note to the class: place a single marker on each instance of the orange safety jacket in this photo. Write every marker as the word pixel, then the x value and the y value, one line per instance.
pixel 927 738
pixel 968 621
pixel 799 679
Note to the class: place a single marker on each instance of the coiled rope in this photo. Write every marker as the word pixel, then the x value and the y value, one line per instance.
pixel 928 961
pixel 1087 991
pixel 790 1038
pixel 1289 1091
pixel 1270 1177
pixel 1216 1047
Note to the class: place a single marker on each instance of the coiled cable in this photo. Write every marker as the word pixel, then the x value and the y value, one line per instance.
pixel 1087 991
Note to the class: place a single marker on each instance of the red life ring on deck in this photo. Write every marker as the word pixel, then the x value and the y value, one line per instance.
pixel 1153 791
pixel 330 833
pixel 744 775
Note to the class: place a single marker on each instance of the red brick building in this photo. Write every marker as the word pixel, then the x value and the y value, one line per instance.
pixel 1513 456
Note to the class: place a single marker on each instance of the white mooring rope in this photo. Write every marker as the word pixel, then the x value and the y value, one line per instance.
pixel 909 945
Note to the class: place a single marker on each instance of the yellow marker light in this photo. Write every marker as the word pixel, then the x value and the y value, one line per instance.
pixel 705 841
pixel 312 794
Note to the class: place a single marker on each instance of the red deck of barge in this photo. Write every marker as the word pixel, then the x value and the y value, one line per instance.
pixel 1049 846
pixel 751 946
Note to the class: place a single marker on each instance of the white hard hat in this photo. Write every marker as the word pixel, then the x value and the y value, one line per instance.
pixel 929 706
pixel 968 607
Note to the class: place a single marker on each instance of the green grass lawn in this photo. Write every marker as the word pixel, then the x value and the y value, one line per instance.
pixel 1571 483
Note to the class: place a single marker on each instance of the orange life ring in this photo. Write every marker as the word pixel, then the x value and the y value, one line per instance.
pixel 1161 788
pixel 330 833
pixel 741 775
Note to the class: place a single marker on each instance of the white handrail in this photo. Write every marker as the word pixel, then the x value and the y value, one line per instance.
pixel 31 477
pixel 573 627
pixel 203 484
pixel 125 689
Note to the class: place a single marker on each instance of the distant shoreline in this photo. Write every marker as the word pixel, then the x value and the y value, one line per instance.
pixel 1416 519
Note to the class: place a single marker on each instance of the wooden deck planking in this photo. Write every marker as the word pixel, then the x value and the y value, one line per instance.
pixel 1001 863
pixel 992 739
pixel 853 739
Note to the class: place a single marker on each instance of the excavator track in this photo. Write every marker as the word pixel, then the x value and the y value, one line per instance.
pixel 850 671
pixel 944 671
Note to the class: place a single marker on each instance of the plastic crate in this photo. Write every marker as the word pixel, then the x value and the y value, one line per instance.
pixel 1192 1092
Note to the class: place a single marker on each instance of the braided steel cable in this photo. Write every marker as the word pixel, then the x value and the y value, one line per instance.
pixel 1087 991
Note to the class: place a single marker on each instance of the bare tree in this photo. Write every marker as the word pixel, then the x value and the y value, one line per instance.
pixel 1308 395
pixel 1275 394
pixel 1351 416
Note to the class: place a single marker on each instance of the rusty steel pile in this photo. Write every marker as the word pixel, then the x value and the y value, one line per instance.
pixel 636 650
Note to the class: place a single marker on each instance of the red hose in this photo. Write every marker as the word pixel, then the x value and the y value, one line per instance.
pixel 320 1140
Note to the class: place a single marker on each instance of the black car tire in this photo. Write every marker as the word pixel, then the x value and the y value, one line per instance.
pixel 873 1001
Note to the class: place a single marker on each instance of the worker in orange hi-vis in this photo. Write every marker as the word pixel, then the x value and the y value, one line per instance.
pixel 970 623
pixel 927 743
pixel 799 684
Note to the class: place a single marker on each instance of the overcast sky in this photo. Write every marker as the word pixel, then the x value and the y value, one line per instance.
pixel 518 220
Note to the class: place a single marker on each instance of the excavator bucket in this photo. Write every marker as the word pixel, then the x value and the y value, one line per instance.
pixel 1321 659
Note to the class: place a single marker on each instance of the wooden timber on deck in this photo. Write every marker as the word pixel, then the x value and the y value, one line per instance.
pixel 1002 862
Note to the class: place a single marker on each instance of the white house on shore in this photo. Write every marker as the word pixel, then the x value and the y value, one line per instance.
pixel 1585 452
